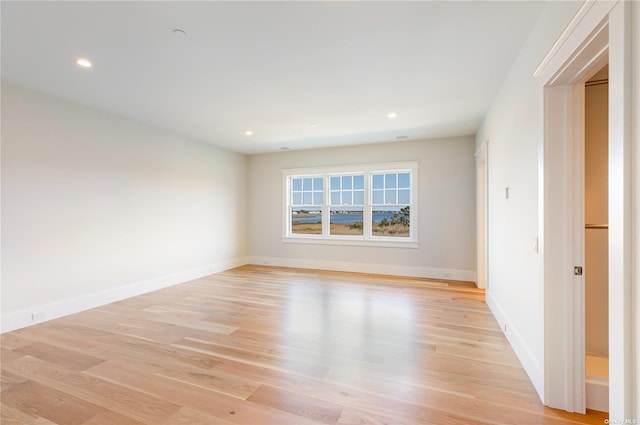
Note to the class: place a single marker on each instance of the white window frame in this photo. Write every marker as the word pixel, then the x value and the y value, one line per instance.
pixel 367 239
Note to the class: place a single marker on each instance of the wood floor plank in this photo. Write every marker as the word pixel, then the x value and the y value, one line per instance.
pixel 56 333
pixel 115 324
pixel 56 406
pixel 196 398
pixel 11 341
pixel 265 360
pixel 112 418
pixel 10 415
pixel 133 404
pixel 70 359
pixel 186 416
pixel 122 347
pixel 261 345
pixel 10 379
pixel 212 380
pixel 207 378
pixel 315 409
pixel 10 355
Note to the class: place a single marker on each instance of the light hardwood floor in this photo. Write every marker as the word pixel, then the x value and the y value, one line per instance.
pixel 274 346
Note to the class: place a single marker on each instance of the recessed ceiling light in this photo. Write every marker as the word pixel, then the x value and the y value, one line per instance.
pixel 179 33
pixel 84 63
pixel 313 125
pixel 248 133
pixel 392 115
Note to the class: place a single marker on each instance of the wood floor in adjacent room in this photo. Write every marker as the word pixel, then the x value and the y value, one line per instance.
pixel 274 346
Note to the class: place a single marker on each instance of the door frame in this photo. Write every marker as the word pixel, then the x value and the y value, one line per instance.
pixel 600 32
pixel 482 213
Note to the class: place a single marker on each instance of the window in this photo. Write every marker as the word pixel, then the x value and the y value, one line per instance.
pixel 306 205
pixel 346 202
pixel 363 205
pixel 391 204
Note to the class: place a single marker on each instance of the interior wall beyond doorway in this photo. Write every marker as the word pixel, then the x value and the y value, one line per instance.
pixel 596 215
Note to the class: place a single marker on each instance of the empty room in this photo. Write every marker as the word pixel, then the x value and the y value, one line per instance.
pixel 319 212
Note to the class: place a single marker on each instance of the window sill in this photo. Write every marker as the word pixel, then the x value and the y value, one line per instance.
pixel 378 243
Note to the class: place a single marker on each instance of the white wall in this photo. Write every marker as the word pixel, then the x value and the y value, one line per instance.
pixel 513 128
pixel 446 208
pixel 97 208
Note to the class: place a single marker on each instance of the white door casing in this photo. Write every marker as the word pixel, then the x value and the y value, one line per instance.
pixel 600 33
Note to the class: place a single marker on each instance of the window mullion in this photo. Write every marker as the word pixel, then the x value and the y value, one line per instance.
pixel 367 210
pixel 326 193
pixel 289 202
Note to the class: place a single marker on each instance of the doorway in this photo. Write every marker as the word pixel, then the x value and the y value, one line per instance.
pixel 481 217
pixel 599 34
pixel 596 240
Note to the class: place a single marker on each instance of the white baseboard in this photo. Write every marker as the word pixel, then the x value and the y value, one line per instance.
pixel 597 394
pixel 24 318
pixel 529 362
pixel 425 272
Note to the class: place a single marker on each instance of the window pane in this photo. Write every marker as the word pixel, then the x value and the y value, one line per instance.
pixel 335 183
pixel 378 181
pixel 391 223
pixel 317 183
pixel 306 222
pixel 346 222
pixel 378 197
pixel 297 198
pixel 307 184
pixel 390 181
pixel 317 198
pixel 335 198
pixel 307 198
pixel 404 180
pixel 347 182
pixel 390 197
pixel 358 197
pixel 297 184
pixel 358 182
pixel 404 196
pixel 346 198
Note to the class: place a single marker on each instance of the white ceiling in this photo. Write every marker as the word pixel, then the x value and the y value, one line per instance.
pixel 273 68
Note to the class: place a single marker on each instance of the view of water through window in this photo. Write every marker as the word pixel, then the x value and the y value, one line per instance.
pixel 365 204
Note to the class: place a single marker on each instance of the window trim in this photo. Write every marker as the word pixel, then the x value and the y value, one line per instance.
pixel 367 239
